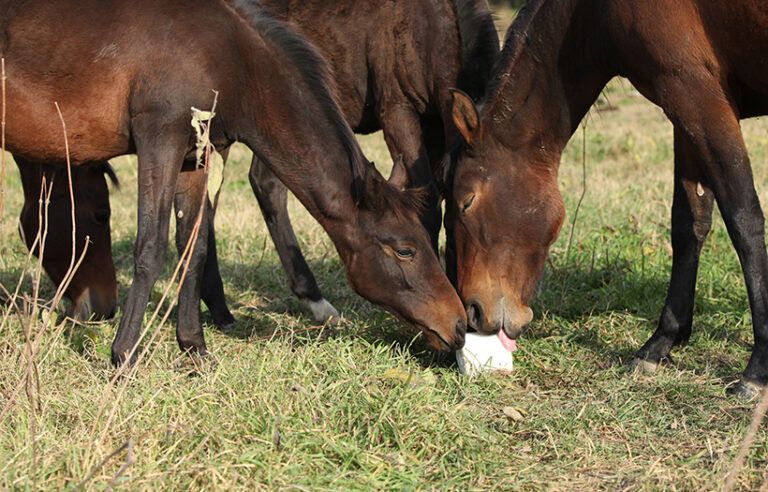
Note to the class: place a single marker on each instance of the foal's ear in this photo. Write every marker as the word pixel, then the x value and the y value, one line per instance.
pixel 399 175
pixel 465 117
pixel 372 188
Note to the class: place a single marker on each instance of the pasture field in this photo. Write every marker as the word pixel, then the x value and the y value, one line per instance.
pixel 365 406
pixel 284 405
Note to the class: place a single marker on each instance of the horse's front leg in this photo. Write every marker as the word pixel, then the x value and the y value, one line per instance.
pixel 705 117
pixel 272 196
pixel 187 203
pixel 189 190
pixel 691 222
pixel 212 289
pixel 404 137
pixel 160 149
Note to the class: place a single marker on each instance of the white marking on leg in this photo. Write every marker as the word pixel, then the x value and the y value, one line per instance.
pixel 643 366
pixel 323 311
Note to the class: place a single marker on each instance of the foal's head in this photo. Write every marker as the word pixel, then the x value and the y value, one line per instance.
pixel 392 262
pixel 504 211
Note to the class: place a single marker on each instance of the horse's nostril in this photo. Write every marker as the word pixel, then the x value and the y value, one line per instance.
pixel 475 315
pixel 459 333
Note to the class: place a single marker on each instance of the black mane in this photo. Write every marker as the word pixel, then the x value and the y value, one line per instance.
pixel 479 45
pixel 514 41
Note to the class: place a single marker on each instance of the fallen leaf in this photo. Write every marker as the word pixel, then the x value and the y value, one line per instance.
pixel 408 377
pixel 513 413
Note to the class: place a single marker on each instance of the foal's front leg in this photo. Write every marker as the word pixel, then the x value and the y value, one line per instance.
pixel 404 137
pixel 160 151
pixel 189 190
pixel 691 222
pixel 272 196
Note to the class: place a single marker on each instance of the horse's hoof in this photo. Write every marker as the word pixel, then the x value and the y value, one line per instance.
pixel 225 327
pixel 642 366
pixel 323 312
pixel 223 321
pixel 197 362
pixel 744 390
pixel 120 361
pixel 202 360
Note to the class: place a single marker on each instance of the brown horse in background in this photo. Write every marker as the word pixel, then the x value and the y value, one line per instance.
pixel 120 93
pixel 702 62
pixel 394 64
pixel 93 288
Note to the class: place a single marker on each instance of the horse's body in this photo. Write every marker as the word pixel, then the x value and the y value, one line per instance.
pixel 702 62
pixel 126 74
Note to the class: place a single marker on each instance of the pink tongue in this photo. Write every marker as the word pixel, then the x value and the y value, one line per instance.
pixel 508 343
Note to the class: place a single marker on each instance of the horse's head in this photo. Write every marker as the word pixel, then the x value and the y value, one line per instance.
pixel 504 211
pixel 93 289
pixel 391 262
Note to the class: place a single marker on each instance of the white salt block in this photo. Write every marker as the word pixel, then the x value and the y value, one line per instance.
pixel 485 352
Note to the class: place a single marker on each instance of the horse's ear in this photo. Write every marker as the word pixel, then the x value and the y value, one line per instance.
pixel 399 175
pixel 372 188
pixel 465 117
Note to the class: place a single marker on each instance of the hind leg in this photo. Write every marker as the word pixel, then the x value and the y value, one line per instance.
pixel 272 197
pixel 187 201
pixel 691 222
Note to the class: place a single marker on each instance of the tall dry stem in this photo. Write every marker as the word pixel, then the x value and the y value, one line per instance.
pixel 749 437
pixel 2 146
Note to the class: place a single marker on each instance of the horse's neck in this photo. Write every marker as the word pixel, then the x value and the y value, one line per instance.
pixel 548 76
pixel 315 165
pixel 284 123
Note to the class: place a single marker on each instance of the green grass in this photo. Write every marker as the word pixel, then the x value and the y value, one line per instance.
pixel 367 407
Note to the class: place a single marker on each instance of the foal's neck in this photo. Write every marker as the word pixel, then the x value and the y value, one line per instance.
pixel 287 115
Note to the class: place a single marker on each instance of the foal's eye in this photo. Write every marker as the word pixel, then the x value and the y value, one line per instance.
pixel 467 203
pixel 405 253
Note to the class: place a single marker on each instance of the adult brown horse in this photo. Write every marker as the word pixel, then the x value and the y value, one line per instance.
pixel 125 77
pixel 93 288
pixel 700 61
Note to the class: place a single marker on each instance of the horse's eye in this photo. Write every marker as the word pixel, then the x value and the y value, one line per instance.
pixel 467 204
pixel 405 253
